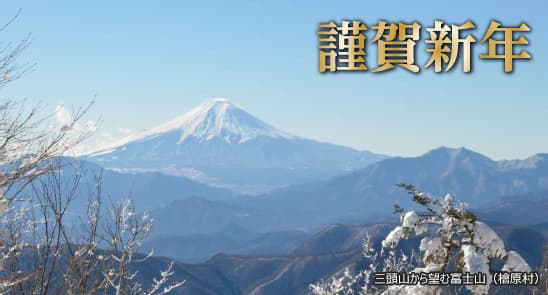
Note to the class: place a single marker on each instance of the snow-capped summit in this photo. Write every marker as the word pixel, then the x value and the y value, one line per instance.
pixel 216 117
pixel 220 140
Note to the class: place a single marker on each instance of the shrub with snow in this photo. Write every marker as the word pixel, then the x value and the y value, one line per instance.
pixel 453 240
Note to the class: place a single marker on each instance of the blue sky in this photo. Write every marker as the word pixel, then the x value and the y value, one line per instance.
pixel 149 61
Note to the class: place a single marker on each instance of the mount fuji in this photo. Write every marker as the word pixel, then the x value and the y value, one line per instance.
pixel 220 143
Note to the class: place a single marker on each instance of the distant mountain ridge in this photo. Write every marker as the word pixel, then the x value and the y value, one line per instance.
pixel 323 255
pixel 147 190
pixel 368 195
pixel 228 145
pixel 464 173
pixel 468 175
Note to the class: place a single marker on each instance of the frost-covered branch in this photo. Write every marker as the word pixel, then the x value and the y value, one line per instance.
pixel 41 251
pixel 452 240
pixel 125 233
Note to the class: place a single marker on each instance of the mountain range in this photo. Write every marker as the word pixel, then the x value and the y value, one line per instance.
pixel 218 142
pixel 499 191
pixel 465 174
pixel 170 170
pixel 321 256
pixel 254 206
pixel 370 193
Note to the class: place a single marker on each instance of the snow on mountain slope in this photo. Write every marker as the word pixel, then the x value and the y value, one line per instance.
pixel 217 117
pixel 229 145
